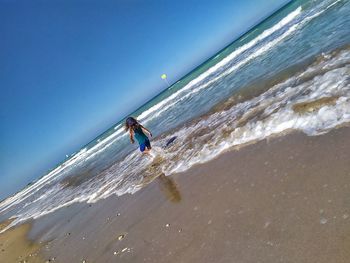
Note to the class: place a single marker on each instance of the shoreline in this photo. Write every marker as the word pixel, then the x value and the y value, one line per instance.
pixel 248 122
pixel 283 199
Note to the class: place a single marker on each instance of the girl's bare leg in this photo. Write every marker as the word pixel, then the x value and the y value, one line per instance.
pixel 147 151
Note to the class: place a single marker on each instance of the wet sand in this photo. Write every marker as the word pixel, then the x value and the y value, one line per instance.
pixel 16 247
pixel 286 199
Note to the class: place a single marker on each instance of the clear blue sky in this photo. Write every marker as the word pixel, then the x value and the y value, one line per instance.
pixel 69 69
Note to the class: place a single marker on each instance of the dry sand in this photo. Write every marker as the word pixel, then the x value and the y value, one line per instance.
pixel 281 200
pixel 16 247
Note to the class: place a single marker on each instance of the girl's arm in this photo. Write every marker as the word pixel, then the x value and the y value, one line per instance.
pixel 131 136
pixel 146 130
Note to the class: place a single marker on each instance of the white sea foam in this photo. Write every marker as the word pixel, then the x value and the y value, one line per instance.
pixel 320 12
pixel 180 95
pixel 274 114
pixel 82 156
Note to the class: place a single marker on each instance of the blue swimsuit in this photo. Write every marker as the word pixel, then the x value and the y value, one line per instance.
pixel 142 139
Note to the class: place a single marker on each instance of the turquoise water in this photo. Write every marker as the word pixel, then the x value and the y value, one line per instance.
pixel 299 54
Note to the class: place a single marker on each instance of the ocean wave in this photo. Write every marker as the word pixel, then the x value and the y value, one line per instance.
pixel 82 156
pixel 287 26
pixel 323 10
pixel 157 110
pixel 268 114
pixel 171 100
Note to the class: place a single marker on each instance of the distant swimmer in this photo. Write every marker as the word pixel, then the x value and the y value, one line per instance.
pixel 136 130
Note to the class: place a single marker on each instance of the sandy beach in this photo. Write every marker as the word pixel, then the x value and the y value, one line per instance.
pixel 280 200
pixel 16 247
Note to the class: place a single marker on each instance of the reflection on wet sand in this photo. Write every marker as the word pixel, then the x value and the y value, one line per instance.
pixel 166 184
pixel 170 189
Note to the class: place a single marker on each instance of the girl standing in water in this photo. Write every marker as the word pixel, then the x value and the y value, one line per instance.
pixel 136 130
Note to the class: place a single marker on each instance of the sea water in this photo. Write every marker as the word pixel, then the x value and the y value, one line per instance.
pixel 290 72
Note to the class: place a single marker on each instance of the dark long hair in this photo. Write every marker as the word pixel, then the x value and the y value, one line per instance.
pixel 131 123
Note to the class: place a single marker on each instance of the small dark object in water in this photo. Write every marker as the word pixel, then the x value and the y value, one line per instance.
pixel 170 141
